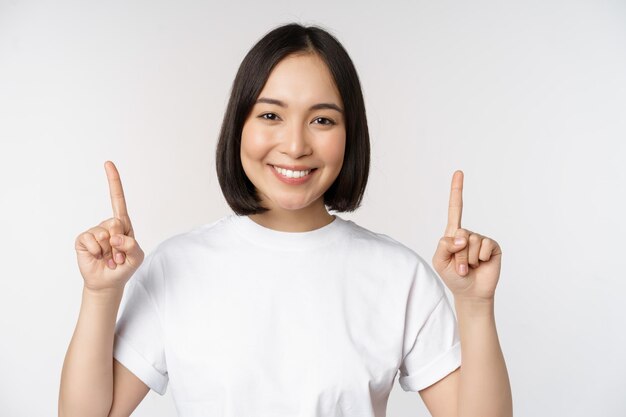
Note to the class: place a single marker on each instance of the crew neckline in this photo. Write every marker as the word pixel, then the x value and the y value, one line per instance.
pixel 266 237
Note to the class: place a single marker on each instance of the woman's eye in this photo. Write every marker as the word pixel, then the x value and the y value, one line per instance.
pixel 327 121
pixel 268 118
pixel 322 120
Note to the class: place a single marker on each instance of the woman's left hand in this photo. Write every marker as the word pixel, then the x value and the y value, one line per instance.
pixel 470 269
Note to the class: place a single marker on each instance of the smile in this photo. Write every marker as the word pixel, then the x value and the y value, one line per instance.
pixel 292 177
pixel 292 174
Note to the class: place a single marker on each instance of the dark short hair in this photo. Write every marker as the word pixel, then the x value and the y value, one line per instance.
pixel 346 192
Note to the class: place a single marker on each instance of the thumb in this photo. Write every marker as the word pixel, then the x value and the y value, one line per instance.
pixel 129 248
pixel 446 249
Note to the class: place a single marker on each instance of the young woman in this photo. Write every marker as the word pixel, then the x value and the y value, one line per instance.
pixel 281 308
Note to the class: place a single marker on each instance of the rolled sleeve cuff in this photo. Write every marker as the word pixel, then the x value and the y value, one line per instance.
pixel 434 371
pixel 138 365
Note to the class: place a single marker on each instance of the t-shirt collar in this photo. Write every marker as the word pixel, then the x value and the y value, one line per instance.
pixel 267 237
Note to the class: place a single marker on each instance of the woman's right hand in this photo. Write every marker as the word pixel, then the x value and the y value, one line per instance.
pixel 104 262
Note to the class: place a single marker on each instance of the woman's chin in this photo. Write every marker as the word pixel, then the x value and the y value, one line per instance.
pixel 291 204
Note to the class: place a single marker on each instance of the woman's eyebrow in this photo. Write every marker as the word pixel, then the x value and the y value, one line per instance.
pixel 313 107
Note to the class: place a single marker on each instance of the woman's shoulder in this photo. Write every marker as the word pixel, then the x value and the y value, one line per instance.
pixel 370 240
pixel 199 235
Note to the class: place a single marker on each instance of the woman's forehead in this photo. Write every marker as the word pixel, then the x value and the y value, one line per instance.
pixel 301 80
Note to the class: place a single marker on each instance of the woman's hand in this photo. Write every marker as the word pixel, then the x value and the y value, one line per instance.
pixel 108 253
pixel 470 269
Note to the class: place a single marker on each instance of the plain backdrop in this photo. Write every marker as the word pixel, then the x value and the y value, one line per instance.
pixel 527 98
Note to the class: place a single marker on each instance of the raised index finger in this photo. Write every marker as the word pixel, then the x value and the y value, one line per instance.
pixel 117 193
pixel 455 208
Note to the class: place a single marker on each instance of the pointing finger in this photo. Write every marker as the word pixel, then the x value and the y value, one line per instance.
pixel 455 208
pixel 117 192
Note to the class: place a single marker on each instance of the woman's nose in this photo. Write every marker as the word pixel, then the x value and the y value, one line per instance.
pixel 297 142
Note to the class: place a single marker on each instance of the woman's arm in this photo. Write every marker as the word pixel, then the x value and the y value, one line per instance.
pixel 87 375
pixel 93 383
pixel 108 255
pixel 484 388
pixel 469 264
pixel 480 387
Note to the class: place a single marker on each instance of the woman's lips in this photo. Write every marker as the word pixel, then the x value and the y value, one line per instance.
pixel 292 181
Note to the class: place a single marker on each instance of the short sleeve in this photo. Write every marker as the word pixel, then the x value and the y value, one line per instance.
pixel 432 339
pixel 138 343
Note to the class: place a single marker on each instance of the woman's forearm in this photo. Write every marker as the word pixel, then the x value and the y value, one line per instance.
pixel 87 375
pixel 484 389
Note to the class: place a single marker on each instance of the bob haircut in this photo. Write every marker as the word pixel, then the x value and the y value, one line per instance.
pixel 346 192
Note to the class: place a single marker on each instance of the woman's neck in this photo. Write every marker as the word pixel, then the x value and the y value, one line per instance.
pixel 302 220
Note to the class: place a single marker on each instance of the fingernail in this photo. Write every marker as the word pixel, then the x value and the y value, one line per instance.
pixel 459 241
pixel 463 269
pixel 111 263
pixel 119 258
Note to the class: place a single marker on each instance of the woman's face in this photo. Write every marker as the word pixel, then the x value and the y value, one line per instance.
pixel 294 124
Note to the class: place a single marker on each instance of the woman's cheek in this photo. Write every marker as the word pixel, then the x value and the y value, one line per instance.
pixel 335 147
pixel 255 143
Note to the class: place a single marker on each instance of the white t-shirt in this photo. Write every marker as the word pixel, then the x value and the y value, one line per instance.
pixel 245 321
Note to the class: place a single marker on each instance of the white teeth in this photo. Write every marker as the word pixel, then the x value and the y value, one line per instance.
pixel 292 174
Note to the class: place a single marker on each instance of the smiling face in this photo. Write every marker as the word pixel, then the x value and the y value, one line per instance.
pixel 297 123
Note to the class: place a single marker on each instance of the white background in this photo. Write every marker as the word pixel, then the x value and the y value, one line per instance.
pixel 527 98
